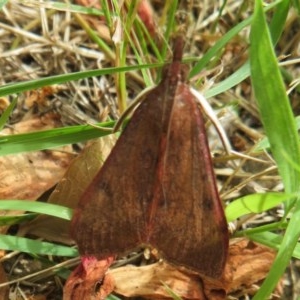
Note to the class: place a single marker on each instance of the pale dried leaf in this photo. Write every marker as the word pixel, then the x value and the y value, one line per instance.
pixel 146 281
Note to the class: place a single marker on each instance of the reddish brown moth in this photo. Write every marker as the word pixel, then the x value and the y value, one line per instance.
pixel 158 187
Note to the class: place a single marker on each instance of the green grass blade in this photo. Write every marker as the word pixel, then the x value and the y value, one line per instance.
pixel 264 144
pixel 169 27
pixel 170 23
pixel 38 83
pixel 243 72
pixel 276 113
pixel 37 207
pixel 2 3
pixel 107 14
pixel 4 117
pixel 171 292
pixel 18 219
pixel 238 76
pixel 48 139
pixel 68 7
pixel 280 128
pixel 279 20
pixel 296 4
pixel 274 241
pixel 112 297
pixel 223 41
pixel 255 203
pixel 15 243
pixel 201 64
pixel 94 36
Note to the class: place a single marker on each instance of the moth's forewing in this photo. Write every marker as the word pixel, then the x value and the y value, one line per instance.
pixel 112 215
pixel 188 224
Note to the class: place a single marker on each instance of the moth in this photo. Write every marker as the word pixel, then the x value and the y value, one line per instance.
pixel 157 188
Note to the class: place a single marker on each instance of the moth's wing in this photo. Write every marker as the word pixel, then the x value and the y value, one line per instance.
pixel 189 226
pixel 111 215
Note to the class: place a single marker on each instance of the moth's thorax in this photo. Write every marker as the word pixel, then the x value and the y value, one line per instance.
pixel 174 73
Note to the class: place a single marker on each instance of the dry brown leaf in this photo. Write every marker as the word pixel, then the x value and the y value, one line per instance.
pixel 250 263
pixel 29 175
pixel 38 100
pixel 69 190
pixel 4 104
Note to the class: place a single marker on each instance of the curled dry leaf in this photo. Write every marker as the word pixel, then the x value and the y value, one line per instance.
pixel 69 190
pixel 88 281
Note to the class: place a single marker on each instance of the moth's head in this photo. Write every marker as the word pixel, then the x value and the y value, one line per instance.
pixel 178 46
pixel 177 71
